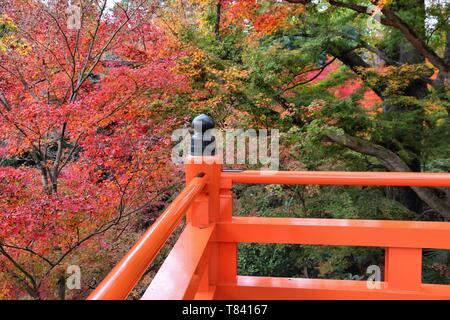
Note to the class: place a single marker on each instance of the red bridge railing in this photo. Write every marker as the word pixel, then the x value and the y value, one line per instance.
pixel 126 274
pixel 203 262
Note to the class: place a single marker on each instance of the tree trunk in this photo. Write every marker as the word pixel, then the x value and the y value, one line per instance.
pixel 218 18
pixel 62 286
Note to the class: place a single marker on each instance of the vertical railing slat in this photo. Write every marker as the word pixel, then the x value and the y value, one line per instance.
pixel 403 268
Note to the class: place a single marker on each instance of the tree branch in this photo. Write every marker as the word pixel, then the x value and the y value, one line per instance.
pixel 391 19
pixel 320 69
pixel 5 102
pixel 59 152
pixel 393 163
pixel 396 22
pixel 21 269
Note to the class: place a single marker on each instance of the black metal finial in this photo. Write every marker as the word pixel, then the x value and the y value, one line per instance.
pixel 201 138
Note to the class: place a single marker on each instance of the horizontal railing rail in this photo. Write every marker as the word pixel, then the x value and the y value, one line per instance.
pixel 407 179
pixel 121 280
pixel 335 232
pixel 403 241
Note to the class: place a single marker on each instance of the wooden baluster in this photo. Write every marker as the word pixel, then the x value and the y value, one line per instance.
pixel 403 268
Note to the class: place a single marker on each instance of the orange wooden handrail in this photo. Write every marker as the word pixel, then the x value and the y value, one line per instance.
pixel 335 232
pixel 410 179
pixel 203 262
pixel 126 274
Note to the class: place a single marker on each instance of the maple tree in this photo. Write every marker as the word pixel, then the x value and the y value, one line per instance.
pixel 84 145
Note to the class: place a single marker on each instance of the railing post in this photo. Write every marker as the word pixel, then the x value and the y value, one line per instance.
pixel 403 268
pixel 202 160
pixel 227 272
pixel 205 210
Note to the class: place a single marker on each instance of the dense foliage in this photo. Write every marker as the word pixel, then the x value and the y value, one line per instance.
pixel 86 116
